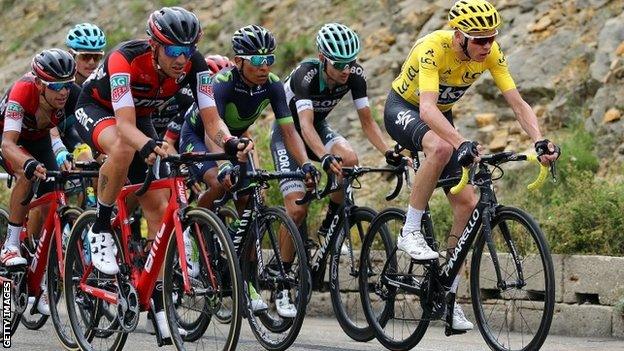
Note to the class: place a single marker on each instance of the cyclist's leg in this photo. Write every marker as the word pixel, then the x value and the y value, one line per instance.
pixel 403 123
pixel 191 142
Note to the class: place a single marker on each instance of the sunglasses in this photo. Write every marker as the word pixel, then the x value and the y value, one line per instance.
pixel 259 60
pixel 341 65
pixel 90 56
pixel 481 40
pixel 58 86
pixel 176 50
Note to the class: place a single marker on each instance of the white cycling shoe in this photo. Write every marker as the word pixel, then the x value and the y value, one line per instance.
pixel 284 307
pixel 163 328
pixel 103 251
pixel 460 322
pixel 414 244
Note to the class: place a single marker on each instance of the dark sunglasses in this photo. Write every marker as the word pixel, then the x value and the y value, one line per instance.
pixel 88 57
pixel 341 65
pixel 259 60
pixel 177 50
pixel 58 86
pixel 481 40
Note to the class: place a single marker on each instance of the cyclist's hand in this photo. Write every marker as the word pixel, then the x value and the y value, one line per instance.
pixel 311 175
pixel 547 151
pixel 239 147
pixel 329 162
pixel 34 168
pixel 468 153
pixel 393 159
pixel 63 160
pixel 224 176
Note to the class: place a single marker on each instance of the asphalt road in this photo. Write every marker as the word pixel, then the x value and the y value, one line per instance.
pixel 320 334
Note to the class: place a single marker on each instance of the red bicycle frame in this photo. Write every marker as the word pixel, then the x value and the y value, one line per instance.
pixel 144 279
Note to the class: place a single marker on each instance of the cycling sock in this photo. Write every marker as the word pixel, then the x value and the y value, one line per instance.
pixel 13 234
pixel 331 212
pixel 103 216
pixel 157 297
pixel 413 219
pixel 455 285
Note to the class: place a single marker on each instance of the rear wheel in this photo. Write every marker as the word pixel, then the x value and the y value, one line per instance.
pixel 344 268
pixel 86 312
pixel 56 292
pixel 390 285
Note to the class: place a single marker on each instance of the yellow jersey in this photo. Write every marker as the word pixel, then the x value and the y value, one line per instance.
pixel 433 66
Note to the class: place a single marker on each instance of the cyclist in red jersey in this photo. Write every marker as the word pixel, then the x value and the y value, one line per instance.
pixel 29 113
pixel 133 81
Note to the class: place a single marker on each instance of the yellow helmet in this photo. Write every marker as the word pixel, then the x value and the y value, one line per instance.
pixel 473 16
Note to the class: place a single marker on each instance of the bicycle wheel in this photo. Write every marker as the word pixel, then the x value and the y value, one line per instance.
pixel 228 216
pixel 85 312
pixel 55 288
pixel 218 276
pixel 518 316
pixel 19 287
pixel 390 285
pixel 269 276
pixel 343 281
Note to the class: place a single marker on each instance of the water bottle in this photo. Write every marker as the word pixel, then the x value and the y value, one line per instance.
pixel 66 233
pixel 91 199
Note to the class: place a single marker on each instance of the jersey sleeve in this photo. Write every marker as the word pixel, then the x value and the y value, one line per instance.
pixel 428 56
pixel 15 107
pixel 119 72
pixel 301 86
pixel 357 84
pixel 222 85
pixel 497 64
pixel 200 82
pixel 278 103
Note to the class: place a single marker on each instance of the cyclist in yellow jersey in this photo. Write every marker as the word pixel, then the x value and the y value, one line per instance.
pixel 439 69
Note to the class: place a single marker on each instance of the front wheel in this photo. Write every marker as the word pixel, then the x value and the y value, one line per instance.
pixel 343 280
pixel 214 276
pixel 523 300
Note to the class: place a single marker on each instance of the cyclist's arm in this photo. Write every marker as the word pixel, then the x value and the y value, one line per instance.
pixel 524 113
pixel 431 114
pixel 372 130
pixel 216 130
pixel 309 133
pixel 126 125
pixel 11 151
pixel 294 143
pixel 283 116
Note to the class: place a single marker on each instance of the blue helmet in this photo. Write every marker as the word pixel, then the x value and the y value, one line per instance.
pixel 86 37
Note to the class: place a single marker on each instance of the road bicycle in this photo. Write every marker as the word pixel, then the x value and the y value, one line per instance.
pixel 44 255
pixel 191 295
pixel 511 271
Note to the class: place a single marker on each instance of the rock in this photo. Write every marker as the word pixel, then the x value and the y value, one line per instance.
pixel 620 49
pixel 499 142
pixel 612 115
pixel 484 134
pixel 541 24
pixel 485 119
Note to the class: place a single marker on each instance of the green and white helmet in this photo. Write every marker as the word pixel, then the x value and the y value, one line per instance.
pixel 338 42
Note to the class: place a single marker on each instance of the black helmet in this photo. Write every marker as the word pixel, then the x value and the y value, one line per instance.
pixel 174 26
pixel 54 65
pixel 253 40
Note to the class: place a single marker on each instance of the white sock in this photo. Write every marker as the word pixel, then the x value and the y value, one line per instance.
pixel 13 234
pixel 455 285
pixel 413 220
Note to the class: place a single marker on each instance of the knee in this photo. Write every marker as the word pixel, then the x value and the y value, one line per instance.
pixel 296 212
pixel 119 151
pixel 465 204
pixel 440 152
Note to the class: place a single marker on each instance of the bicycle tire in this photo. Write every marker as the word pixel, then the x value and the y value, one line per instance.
pixel 272 331
pixel 485 294
pixel 349 311
pixel 89 307
pixel 15 317
pixel 228 216
pixel 55 287
pixel 378 297
pixel 216 240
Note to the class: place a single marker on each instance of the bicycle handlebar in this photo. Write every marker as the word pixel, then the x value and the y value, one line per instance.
pixel 59 176
pixel 500 158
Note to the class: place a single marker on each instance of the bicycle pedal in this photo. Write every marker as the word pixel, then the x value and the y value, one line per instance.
pixel 448 331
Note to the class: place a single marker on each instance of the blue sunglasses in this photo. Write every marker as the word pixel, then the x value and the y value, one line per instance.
pixel 177 50
pixel 58 86
pixel 259 60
